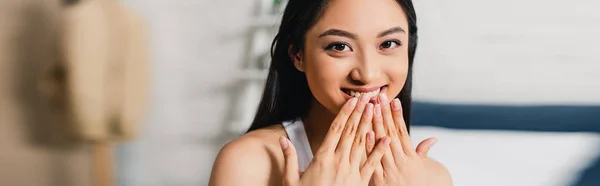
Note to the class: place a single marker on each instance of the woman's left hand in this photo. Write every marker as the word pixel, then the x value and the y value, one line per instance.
pixel 401 164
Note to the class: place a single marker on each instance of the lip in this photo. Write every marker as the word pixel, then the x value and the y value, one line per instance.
pixel 361 89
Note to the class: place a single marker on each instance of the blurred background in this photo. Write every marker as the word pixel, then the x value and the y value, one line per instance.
pixel 145 92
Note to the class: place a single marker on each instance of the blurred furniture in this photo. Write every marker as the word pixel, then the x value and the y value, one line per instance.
pixel 257 59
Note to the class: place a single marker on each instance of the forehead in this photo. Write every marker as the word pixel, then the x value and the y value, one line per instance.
pixel 361 16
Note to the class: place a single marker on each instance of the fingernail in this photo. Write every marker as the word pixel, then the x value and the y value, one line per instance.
pixel 364 98
pixel 370 136
pixel 353 102
pixel 369 109
pixel 383 98
pixel 396 104
pixel 283 142
pixel 378 110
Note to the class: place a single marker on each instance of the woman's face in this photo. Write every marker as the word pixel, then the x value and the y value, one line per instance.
pixel 356 47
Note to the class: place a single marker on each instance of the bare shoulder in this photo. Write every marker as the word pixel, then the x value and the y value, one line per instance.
pixel 252 159
pixel 438 173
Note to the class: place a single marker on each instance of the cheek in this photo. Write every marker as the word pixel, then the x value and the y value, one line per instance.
pixel 325 76
pixel 397 73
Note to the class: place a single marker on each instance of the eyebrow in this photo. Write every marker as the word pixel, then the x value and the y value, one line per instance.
pixel 337 32
pixel 391 31
pixel 342 33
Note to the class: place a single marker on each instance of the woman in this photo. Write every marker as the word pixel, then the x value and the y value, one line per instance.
pixel 335 64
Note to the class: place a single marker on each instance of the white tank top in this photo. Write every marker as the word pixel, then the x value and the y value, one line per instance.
pixel 297 135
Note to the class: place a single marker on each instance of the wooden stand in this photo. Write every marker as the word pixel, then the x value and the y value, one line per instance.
pixel 103 164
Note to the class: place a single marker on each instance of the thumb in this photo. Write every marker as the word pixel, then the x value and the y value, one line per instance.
pixel 425 145
pixel 290 172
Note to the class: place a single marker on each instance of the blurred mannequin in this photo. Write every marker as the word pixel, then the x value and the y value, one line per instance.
pixel 104 52
pixel 66 70
pixel 33 148
pixel 104 58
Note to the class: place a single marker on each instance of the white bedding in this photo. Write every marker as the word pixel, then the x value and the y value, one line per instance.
pixel 511 158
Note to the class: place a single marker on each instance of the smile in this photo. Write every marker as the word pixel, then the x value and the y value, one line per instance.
pixel 357 92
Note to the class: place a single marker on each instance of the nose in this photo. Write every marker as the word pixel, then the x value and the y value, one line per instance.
pixel 366 69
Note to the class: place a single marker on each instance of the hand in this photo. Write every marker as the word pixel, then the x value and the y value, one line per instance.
pixel 401 164
pixel 338 160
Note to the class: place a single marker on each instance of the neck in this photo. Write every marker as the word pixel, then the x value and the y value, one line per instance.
pixel 317 124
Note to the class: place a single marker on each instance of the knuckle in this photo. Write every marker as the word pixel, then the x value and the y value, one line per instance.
pixel 358 140
pixel 350 129
pixel 401 129
pixel 337 127
pixel 319 161
pixel 372 163
pixel 390 132
pixel 319 153
pixel 288 154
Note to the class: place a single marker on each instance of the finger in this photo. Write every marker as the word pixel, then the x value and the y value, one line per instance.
pixel 400 126
pixel 388 122
pixel 345 145
pixel 378 123
pixel 425 145
pixel 374 158
pixel 358 147
pixel 378 174
pixel 369 146
pixel 388 157
pixel 370 142
pixel 337 127
pixel 290 174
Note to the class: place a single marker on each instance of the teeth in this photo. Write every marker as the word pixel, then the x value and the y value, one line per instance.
pixel 357 94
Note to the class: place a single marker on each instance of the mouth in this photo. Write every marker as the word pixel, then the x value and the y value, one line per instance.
pixel 372 92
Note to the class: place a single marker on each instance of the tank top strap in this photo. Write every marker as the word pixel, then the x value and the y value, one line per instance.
pixel 297 135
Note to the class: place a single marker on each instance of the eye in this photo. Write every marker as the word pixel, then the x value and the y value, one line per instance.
pixel 390 44
pixel 338 47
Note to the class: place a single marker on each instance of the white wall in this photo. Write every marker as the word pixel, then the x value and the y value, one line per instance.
pixel 197 47
pixel 508 52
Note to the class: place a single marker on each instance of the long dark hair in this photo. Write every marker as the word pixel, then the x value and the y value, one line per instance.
pixel 286 95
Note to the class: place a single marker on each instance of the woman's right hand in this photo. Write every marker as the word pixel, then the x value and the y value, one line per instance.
pixel 338 160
